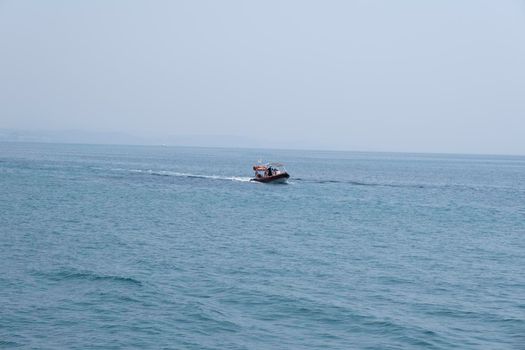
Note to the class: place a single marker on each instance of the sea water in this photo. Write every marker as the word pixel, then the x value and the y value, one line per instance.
pixel 114 247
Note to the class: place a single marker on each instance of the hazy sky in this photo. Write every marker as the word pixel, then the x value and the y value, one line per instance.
pixel 423 76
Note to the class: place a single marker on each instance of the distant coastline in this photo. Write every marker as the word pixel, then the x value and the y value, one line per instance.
pixel 217 141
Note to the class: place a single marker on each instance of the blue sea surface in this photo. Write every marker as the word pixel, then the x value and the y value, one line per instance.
pixel 110 247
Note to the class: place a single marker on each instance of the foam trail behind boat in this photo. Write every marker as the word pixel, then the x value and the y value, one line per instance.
pixel 189 175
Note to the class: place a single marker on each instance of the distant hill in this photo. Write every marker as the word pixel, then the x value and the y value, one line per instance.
pixel 92 137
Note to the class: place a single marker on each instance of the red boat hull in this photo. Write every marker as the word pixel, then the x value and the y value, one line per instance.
pixel 280 178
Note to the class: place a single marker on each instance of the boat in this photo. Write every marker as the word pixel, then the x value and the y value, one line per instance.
pixel 270 173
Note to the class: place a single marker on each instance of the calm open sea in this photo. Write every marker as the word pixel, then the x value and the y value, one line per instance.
pixel 167 247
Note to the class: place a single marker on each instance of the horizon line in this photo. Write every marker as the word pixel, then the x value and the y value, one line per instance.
pixel 267 148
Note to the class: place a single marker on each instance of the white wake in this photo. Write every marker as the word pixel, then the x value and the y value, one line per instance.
pixel 189 175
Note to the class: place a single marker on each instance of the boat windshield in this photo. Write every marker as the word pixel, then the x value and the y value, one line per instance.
pixel 269 169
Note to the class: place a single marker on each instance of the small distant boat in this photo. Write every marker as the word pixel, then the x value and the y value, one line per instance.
pixel 270 173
